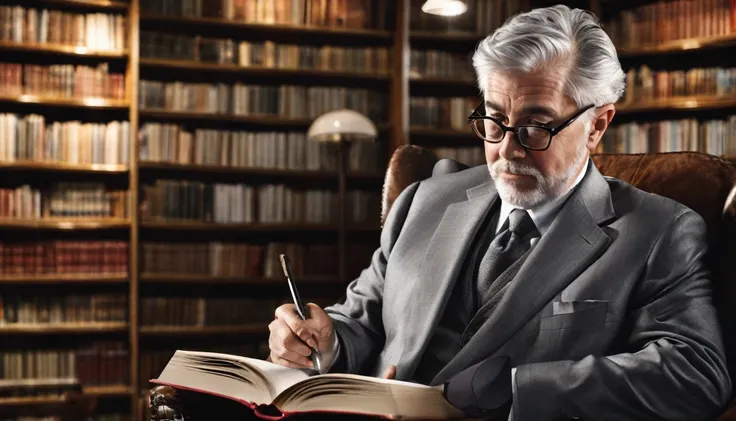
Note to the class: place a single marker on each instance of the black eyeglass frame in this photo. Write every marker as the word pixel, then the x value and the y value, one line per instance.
pixel 475 115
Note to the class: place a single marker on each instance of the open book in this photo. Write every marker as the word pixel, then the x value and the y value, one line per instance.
pixel 258 384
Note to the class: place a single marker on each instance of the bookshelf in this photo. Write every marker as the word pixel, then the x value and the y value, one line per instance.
pixel 183 135
pixel 100 106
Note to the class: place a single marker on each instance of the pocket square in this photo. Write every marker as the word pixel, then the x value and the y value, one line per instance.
pixel 567 307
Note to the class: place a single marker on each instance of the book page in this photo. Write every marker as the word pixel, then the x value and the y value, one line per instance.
pixel 366 395
pixel 231 376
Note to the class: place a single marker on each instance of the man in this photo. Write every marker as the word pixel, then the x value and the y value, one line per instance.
pixel 534 285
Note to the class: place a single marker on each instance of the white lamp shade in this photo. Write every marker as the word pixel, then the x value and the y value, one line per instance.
pixel 342 125
pixel 444 7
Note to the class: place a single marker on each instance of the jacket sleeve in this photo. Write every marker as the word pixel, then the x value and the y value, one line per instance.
pixel 358 320
pixel 675 368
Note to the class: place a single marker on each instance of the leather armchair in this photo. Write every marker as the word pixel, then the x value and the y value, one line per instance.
pixel 704 183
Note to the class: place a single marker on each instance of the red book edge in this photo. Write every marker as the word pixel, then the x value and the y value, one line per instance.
pixel 254 407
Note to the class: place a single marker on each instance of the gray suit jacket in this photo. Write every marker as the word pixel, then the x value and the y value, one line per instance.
pixel 610 316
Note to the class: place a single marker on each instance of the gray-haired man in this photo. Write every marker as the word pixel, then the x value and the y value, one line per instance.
pixel 535 285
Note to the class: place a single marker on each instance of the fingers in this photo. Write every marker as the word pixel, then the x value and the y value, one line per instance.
pixel 390 372
pixel 286 348
pixel 289 315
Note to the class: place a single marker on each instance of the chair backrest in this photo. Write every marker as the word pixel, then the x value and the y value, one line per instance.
pixel 702 182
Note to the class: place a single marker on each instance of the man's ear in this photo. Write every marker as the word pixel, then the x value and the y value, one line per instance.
pixel 600 123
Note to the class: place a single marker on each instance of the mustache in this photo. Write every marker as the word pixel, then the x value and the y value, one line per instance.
pixel 513 167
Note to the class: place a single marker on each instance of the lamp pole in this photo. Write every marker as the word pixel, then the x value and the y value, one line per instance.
pixel 342 197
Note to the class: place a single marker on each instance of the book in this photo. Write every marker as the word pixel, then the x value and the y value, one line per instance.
pixel 264 386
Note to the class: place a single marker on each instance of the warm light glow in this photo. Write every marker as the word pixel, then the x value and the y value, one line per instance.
pixel 444 7
pixel 342 125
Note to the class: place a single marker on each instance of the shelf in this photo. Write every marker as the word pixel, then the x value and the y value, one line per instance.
pixel 251 227
pixel 64 278
pixel 179 278
pixel 256 227
pixel 304 75
pixel 444 137
pixel 203 330
pixel 65 224
pixel 261 120
pixel 457 37
pixel 252 171
pixel 67 50
pixel 93 391
pixel 62 328
pixel 680 103
pixel 274 31
pixel 443 82
pixel 108 390
pixel 679 46
pixel 62 167
pixel 89 102
pixel 101 4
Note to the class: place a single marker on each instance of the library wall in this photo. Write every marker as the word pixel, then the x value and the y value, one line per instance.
pixel 155 162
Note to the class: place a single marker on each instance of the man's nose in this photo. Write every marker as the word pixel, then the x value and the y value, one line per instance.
pixel 511 148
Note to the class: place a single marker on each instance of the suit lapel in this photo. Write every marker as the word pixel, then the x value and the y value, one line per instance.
pixel 572 243
pixel 440 269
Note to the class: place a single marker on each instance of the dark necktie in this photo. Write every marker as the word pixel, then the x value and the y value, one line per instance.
pixel 511 243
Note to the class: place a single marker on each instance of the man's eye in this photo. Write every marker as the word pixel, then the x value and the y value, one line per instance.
pixel 538 123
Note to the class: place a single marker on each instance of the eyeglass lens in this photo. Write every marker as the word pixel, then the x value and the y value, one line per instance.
pixel 529 136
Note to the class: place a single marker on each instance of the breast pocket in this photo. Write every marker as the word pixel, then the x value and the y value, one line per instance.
pixel 575 315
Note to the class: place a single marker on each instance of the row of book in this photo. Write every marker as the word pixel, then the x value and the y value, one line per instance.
pixel 96 31
pixel 173 143
pixel 243 203
pixel 239 259
pixel 288 101
pixel 353 14
pixel 94 417
pixel 68 200
pixel 440 64
pixel 663 21
pixel 482 16
pixel 715 137
pixel 91 364
pixel 31 137
pixel 468 156
pixel 647 84
pixel 61 80
pixel 441 113
pixel 266 53
pixel 63 257
pixel 62 309
pixel 206 311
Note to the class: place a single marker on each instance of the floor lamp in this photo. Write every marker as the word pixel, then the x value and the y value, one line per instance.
pixel 342 128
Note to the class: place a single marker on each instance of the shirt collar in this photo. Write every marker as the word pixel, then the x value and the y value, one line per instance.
pixel 544 214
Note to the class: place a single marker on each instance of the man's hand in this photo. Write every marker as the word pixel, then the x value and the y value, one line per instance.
pixel 390 372
pixel 291 337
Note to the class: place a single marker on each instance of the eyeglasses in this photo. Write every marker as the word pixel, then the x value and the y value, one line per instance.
pixel 532 137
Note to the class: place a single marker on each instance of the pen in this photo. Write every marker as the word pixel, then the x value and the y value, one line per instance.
pixel 300 307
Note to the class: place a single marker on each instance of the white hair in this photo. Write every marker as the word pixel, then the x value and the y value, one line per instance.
pixel 556 36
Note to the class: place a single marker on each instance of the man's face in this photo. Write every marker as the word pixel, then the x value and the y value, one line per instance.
pixel 529 178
